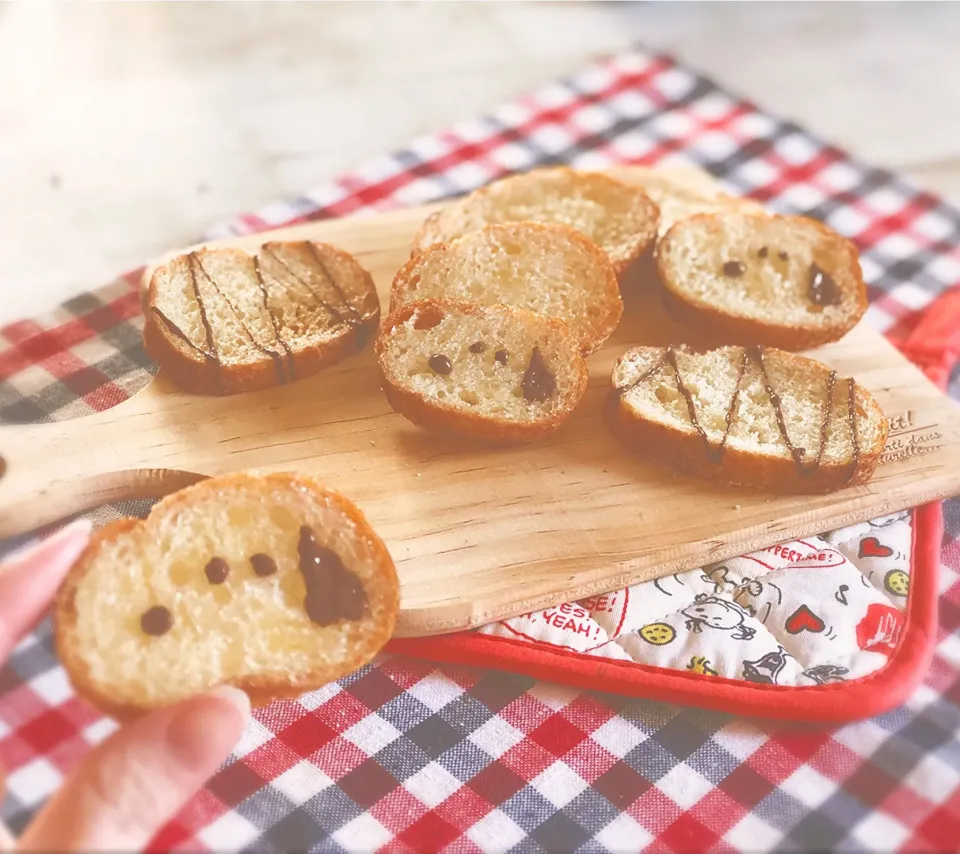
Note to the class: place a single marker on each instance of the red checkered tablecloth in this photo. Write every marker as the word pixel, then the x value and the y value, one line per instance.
pixel 407 756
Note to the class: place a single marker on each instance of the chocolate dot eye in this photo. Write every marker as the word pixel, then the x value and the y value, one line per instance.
pixel 501 356
pixel 156 621
pixel 217 570
pixel 440 364
pixel 782 255
pixel 263 565
pixel 734 268
pixel 763 252
pixel 478 347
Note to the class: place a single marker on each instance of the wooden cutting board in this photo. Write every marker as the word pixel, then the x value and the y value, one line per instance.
pixel 478 534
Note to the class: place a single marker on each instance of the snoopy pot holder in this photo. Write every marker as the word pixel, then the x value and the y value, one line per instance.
pixel 832 627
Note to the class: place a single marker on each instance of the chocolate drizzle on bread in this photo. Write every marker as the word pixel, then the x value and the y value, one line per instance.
pixel 808 462
pixel 257 320
pixel 275 323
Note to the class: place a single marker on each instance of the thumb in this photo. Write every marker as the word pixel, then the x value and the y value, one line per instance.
pixel 130 786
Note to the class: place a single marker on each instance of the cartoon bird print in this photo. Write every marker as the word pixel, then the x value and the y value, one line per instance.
pixel 699 664
pixel 716 613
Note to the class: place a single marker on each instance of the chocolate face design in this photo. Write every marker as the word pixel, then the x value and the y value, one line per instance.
pixel 538 383
pixel 156 621
pixel 334 593
pixel 822 289
pixel 440 364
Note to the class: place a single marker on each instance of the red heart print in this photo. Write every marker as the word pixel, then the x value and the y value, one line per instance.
pixel 804 620
pixel 872 547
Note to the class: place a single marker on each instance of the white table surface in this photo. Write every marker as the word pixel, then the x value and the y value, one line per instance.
pixel 126 129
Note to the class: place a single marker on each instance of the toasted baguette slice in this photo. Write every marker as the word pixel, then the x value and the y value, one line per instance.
pixel 221 321
pixel 786 281
pixel 552 270
pixel 716 415
pixel 620 219
pixel 489 372
pixel 209 590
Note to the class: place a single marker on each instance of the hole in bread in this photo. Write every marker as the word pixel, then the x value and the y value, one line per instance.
pixel 427 317
pixel 470 397
pixel 512 248
pixel 414 280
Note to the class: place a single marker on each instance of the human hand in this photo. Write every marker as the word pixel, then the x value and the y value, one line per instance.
pixel 133 783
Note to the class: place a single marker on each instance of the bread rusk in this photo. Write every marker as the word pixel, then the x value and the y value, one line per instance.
pixel 221 321
pixel 620 219
pixel 750 416
pixel 783 281
pixel 273 584
pixel 552 270
pixel 489 372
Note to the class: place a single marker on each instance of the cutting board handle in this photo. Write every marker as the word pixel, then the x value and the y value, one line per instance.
pixel 51 471
pixel 26 505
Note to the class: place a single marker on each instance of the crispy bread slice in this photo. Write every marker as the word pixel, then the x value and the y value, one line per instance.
pixel 620 219
pixel 784 281
pixel 221 321
pixel 748 415
pixel 273 584
pixel 552 270
pixel 489 372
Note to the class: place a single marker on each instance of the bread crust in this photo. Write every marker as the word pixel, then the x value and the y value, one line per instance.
pixel 685 451
pixel 193 372
pixel 431 231
pixel 444 417
pixel 742 330
pixel 608 295
pixel 383 596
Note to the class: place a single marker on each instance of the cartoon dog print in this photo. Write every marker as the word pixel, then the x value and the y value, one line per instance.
pixel 715 613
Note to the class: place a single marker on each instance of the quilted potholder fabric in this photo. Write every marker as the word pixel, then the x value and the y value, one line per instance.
pixel 815 611
pixel 408 756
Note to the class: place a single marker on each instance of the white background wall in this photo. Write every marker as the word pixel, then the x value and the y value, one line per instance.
pixel 126 129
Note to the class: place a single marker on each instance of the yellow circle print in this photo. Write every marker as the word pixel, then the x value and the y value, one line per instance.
pixel 897 582
pixel 658 633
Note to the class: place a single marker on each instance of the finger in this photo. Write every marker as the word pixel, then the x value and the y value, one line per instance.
pixel 137 780
pixel 29 579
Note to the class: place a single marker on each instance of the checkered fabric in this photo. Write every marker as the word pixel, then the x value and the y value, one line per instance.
pixel 408 756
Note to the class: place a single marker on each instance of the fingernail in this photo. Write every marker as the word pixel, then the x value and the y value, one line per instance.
pixel 237 698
